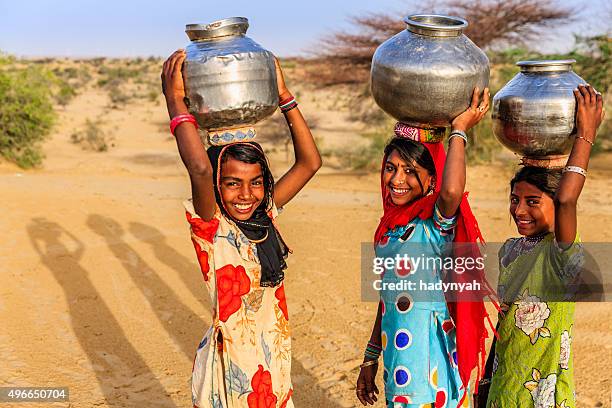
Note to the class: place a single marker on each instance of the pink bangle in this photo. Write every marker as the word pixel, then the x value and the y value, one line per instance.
pixel 177 120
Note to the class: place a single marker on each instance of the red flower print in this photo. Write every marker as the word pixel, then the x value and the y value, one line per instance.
pixel 203 229
pixel 232 283
pixel 202 259
pixel 282 301
pixel 262 395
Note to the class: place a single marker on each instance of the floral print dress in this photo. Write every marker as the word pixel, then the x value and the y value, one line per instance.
pixel 244 359
pixel 532 365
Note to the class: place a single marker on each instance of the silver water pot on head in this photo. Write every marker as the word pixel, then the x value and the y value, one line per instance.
pixel 534 113
pixel 230 80
pixel 425 75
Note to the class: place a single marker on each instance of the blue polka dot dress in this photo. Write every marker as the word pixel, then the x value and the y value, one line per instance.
pixel 417 333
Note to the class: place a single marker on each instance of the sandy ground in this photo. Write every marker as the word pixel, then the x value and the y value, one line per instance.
pixel 101 291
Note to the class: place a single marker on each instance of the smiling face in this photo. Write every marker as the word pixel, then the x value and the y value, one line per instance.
pixel 242 188
pixel 400 177
pixel 533 210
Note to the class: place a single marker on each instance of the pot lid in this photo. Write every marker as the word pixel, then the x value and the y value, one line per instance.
pixel 546 65
pixel 436 25
pixel 221 28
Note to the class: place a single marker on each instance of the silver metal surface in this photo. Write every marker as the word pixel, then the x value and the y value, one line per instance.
pixel 425 75
pixel 230 80
pixel 435 25
pixel 534 113
pixel 216 29
pixel 546 65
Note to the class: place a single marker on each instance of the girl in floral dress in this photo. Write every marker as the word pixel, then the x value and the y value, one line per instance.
pixel 429 346
pixel 531 360
pixel 244 359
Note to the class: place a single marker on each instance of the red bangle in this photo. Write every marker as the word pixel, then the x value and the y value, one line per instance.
pixel 287 104
pixel 285 100
pixel 177 120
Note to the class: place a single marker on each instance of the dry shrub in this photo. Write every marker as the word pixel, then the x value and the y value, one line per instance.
pixel 274 132
pixel 91 136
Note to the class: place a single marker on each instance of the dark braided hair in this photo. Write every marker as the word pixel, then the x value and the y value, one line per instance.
pixel 547 180
pixel 248 153
pixel 411 151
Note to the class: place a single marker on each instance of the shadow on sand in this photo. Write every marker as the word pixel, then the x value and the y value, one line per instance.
pixel 123 375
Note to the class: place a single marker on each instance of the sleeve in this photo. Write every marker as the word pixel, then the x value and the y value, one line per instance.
pixel 568 262
pixel 202 236
pixel 504 251
pixel 441 222
pixel 205 230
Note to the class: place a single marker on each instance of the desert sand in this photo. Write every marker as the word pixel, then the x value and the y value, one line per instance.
pixel 101 291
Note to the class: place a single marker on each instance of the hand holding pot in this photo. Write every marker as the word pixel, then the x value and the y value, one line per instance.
pixel 172 83
pixel 283 92
pixel 474 113
pixel 589 113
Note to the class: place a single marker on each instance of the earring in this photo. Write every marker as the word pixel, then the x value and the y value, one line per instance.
pixel 432 188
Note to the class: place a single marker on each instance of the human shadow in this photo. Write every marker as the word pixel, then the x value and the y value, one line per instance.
pixel 120 370
pixel 186 269
pixel 180 322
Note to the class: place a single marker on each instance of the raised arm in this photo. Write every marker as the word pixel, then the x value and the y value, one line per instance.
pixel 188 140
pixel 307 158
pixel 453 178
pixel 589 115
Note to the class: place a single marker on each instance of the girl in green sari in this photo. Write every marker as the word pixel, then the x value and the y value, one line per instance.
pixel 530 363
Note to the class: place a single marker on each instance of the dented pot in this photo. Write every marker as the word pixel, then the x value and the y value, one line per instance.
pixel 425 74
pixel 230 80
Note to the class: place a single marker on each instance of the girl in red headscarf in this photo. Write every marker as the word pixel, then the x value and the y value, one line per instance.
pixel 430 342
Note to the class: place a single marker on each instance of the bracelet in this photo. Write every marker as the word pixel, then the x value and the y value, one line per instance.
pixel 368 363
pixel 585 139
pixel 575 169
pixel 177 120
pixel 372 351
pixel 287 104
pixel 458 133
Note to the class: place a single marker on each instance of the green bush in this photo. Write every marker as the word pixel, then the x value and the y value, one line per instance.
pixel 65 93
pixel 26 112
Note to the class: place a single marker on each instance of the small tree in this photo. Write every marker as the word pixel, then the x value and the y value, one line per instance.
pixel 348 54
pixel 26 113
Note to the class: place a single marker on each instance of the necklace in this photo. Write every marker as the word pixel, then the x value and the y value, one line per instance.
pixel 259 241
pixel 535 238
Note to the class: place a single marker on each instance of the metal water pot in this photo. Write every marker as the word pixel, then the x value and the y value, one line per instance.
pixel 230 80
pixel 425 75
pixel 534 113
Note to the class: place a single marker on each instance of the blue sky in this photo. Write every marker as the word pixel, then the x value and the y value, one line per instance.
pixel 132 28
